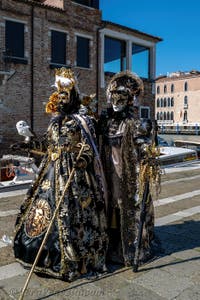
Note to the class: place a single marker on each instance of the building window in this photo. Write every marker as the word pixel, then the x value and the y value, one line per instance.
pixel 172 102
pixel 158 115
pixel 186 86
pixel 144 112
pixel 185 102
pixel 114 55
pixel 83 52
pixel 165 102
pixel 165 89
pixel 165 118
pixel 158 89
pixel 90 3
pixel 172 115
pixel 168 102
pixel 58 47
pixel 172 88
pixel 168 116
pixel 14 42
pixel 140 60
pixel 161 102
pixel 158 102
pixel 185 116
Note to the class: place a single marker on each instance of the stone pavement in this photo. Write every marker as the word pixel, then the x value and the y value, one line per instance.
pixel 173 275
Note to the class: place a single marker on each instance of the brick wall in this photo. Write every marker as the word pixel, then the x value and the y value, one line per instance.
pixel 15 95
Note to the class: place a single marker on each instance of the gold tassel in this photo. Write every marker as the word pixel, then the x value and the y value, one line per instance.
pixel 114 220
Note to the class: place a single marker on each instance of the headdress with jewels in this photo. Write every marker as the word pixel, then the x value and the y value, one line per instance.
pixel 65 81
pixel 127 82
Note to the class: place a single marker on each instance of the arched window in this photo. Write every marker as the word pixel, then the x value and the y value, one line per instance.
pixel 165 102
pixel 172 88
pixel 185 86
pixel 172 115
pixel 185 116
pixel 158 115
pixel 161 102
pixel 168 102
pixel 158 102
pixel 165 115
pixel 172 102
pixel 161 115
pixel 165 88
pixel 158 89
pixel 168 116
pixel 185 101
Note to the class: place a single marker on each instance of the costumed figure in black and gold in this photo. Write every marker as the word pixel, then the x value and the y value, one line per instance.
pixel 127 150
pixel 77 242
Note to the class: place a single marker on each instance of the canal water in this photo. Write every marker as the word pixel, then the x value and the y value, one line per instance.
pixel 170 138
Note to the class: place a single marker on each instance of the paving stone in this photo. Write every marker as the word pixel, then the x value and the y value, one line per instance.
pixel 112 283
pixel 3 294
pixel 187 254
pixel 11 270
pixel 196 278
pixel 162 283
pixel 186 268
pixel 78 291
pixel 192 293
pixel 158 263
pixel 137 292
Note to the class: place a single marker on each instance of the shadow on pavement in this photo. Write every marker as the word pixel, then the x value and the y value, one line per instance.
pixel 179 237
pixel 173 238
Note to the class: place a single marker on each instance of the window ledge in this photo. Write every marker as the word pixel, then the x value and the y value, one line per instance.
pixel 53 65
pixel 84 68
pixel 15 60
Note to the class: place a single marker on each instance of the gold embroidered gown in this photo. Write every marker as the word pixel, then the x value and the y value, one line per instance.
pixel 77 243
pixel 123 148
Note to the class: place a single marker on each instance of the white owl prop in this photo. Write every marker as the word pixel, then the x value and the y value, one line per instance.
pixel 24 129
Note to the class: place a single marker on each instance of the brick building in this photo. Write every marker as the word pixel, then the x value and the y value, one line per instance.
pixel 177 105
pixel 38 36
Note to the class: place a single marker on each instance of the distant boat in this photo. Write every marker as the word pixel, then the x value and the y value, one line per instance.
pixel 177 156
pixel 16 170
pixel 189 145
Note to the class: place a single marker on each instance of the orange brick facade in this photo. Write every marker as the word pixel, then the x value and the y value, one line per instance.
pixel 177 105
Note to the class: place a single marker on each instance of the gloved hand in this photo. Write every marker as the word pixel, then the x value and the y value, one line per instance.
pixel 80 164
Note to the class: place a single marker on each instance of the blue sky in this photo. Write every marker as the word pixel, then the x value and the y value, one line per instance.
pixel 176 22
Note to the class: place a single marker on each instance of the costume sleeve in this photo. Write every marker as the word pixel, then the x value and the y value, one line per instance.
pixel 143 137
pixel 39 146
pixel 36 146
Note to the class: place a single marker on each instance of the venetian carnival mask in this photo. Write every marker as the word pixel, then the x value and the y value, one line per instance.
pixel 122 90
pixel 63 101
pixel 119 99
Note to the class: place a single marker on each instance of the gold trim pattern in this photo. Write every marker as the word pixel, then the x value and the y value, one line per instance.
pixel 84 203
pixel 46 185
